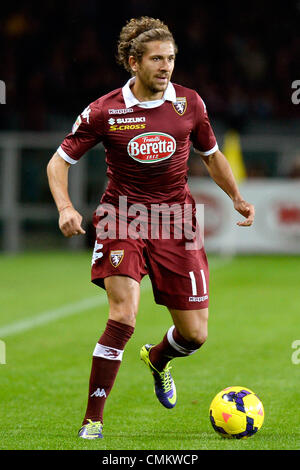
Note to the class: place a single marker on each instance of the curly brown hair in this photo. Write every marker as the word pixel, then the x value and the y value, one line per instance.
pixel 136 33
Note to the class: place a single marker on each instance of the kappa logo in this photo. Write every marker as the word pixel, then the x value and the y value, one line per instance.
pixel 116 257
pixel 96 253
pixel 86 114
pixel 120 111
pixel 198 299
pixel 99 393
pixel 180 105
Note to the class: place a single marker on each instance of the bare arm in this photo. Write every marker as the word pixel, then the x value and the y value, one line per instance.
pixel 220 171
pixel 69 219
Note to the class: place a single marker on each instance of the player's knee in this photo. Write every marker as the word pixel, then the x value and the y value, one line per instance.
pixel 123 309
pixel 125 315
pixel 123 301
pixel 202 337
pixel 197 337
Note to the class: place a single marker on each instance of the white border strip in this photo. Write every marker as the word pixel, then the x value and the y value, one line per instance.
pixel 208 152
pixel 107 352
pixel 177 347
pixel 65 156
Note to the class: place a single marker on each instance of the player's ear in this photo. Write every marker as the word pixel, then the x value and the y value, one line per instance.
pixel 133 63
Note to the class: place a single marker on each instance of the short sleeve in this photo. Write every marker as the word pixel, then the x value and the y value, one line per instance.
pixel 86 133
pixel 202 136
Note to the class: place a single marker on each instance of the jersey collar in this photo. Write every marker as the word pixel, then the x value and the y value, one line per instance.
pixel 131 100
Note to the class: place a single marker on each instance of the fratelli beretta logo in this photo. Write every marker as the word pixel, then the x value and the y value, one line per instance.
pixel 151 147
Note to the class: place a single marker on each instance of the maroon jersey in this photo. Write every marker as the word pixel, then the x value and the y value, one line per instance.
pixel 147 144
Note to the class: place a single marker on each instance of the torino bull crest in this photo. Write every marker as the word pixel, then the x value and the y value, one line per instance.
pixel 116 257
pixel 180 106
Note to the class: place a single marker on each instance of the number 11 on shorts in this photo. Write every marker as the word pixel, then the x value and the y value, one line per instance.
pixel 194 284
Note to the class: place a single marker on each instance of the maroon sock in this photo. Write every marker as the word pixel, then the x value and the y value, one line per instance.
pixel 172 345
pixel 106 361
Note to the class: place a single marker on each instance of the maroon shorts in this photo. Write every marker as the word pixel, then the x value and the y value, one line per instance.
pixel 179 276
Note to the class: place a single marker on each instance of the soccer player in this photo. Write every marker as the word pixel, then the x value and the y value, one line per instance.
pixel 146 127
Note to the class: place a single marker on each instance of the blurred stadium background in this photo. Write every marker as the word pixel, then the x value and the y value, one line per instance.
pixel 242 58
pixel 56 57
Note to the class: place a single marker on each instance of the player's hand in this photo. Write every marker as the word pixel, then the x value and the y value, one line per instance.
pixel 70 222
pixel 247 210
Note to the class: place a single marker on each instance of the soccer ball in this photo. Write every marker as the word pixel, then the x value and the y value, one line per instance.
pixel 236 412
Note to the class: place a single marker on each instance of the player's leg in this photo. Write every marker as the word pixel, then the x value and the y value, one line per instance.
pixel 180 282
pixel 184 338
pixel 183 286
pixel 118 265
pixel 123 298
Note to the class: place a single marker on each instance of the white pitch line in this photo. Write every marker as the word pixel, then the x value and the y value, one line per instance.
pixel 49 316
pixel 68 310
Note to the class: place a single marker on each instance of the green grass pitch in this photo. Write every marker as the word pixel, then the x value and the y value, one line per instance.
pixel 254 319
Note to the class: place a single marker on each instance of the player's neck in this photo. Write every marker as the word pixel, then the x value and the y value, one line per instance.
pixel 143 93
